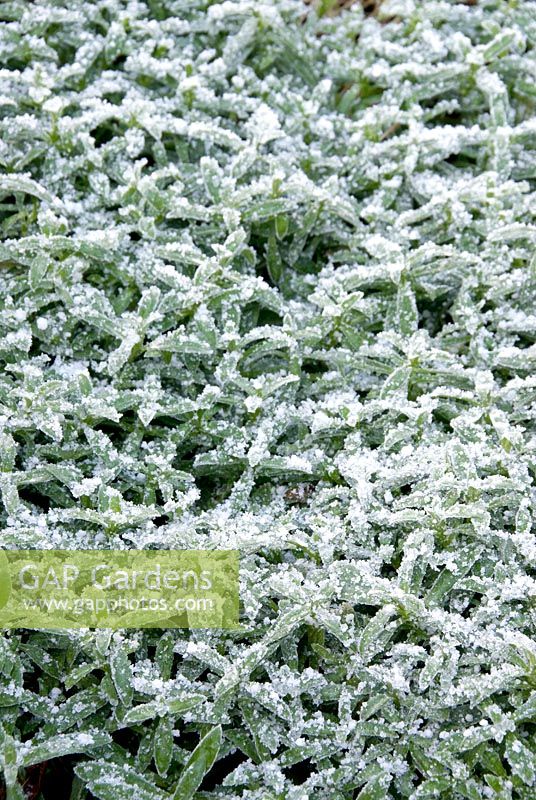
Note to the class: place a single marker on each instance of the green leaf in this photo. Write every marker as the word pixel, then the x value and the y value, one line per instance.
pixel 160 707
pixel 10 761
pixel 281 226
pixel 77 707
pixel 38 270
pixel 63 745
pixel 179 705
pixel 141 713
pixel 149 302
pixel 522 760
pixel 164 655
pixel 109 781
pixel 179 342
pixel 199 763
pixel 121 672
pixel 273 259
pixel 406 309
pixel 21 183
pixel 396 383
pixel 376 632
pixel 375 789
pixel 163 745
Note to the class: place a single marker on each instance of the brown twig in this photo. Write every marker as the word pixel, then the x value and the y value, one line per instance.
pixel 32 785
pixel 390 130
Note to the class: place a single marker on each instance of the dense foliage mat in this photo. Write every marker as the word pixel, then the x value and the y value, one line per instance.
pixel 267 282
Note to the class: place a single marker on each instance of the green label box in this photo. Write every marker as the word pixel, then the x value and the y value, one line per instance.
pixel 50 589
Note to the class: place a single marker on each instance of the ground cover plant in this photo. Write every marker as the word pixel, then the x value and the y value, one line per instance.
pixel 267 282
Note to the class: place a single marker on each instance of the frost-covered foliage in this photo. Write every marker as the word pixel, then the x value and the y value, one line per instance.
pixel 267 282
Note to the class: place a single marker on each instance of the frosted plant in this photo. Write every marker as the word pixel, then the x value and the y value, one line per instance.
pixel 268 282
